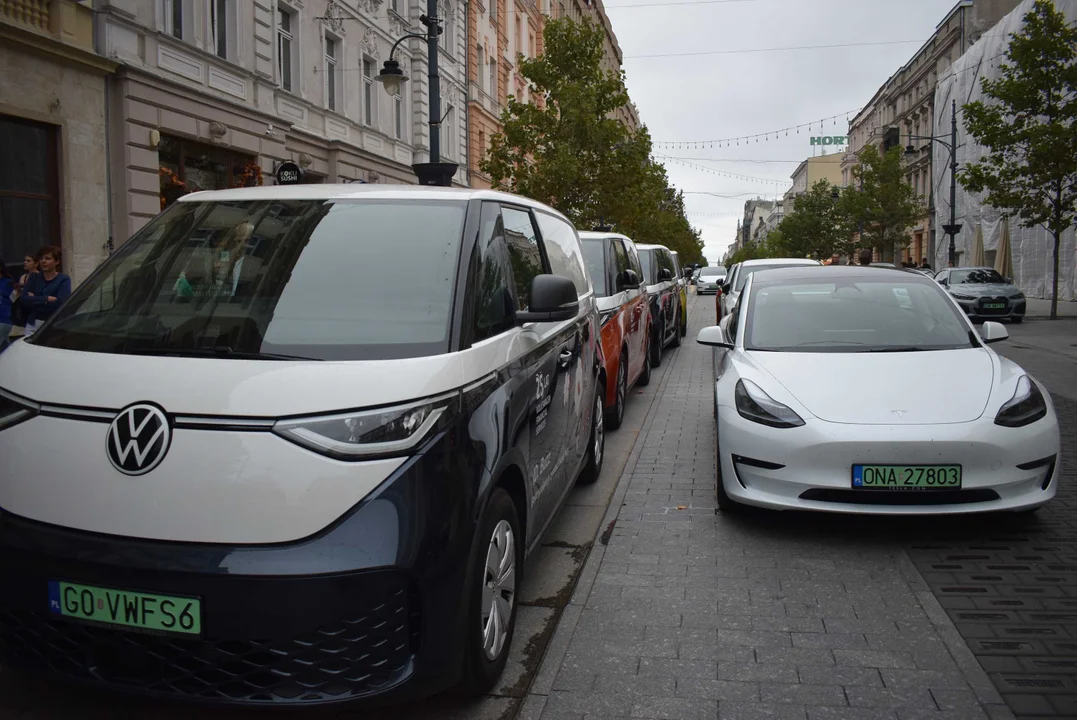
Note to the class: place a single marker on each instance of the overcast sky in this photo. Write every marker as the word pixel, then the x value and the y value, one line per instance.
pixel 715 96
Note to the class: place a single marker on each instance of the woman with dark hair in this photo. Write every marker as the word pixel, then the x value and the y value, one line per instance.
pixel 46 289
pixel 7 289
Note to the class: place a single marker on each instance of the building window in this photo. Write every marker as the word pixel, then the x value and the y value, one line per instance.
pixel 493 77
pixel 479 64
pixel 519 36
pixel 188 166
pixel 449 43
pixel 398 115
pixel 395 6
pixel 448 136
pixel 29 190
pixel 285 42
pixel 493 10
pixel 331 74
pixel 174 18
pixel 368 92
pixel 218 18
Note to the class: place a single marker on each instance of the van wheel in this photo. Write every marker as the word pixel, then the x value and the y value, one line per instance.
pixel 644 378
pixel 596 445
pixel 676 341
pixel 620 394
pixel 656 349
pixel 491 617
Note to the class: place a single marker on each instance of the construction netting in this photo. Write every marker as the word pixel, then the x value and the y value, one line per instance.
pixel 1032 249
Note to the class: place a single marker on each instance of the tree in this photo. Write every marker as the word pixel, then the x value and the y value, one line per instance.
pixel 1029 131
pixel 570 152
pixel 881 202
pixel 817 225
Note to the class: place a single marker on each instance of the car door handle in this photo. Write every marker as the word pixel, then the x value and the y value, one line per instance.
pixel 565 358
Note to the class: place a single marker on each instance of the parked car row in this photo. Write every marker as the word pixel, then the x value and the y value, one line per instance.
pixel 293 480
pixel 786 440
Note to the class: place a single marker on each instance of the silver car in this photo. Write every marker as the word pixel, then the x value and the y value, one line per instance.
pixel 983 293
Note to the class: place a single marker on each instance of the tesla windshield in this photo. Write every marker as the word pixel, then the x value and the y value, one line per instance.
pixel 712 272
pixel 978 276
pixel 277 279
pixel 854 315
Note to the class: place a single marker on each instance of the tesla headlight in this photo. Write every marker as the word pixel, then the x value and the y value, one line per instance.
pixel 1025 407
pixel 14 409
pixel 755 405
pixel 364 434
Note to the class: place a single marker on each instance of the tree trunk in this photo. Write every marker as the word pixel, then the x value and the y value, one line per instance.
pixel 1054 289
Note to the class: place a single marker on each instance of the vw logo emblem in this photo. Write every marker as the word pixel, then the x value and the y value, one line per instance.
pixel 138 439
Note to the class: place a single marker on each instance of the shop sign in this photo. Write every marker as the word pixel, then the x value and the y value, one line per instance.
pixel 830 140
pixel 288 173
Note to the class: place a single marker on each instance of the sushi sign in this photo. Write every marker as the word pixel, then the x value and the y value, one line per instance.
pixel 830 140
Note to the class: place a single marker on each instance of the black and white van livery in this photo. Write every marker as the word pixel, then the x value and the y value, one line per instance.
pixel 292 445
pixel 660 278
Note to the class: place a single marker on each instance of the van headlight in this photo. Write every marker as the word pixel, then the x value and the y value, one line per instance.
pixel 15 409
pixel 364 434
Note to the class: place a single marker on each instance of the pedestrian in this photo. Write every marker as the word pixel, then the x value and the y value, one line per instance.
pixel 29 267
pixel 835 259
pixel 865 257
pixel 46 289
pixel 924 264
pixel 7 290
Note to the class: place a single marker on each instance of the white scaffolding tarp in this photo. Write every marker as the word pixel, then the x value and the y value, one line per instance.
pixel 1032 248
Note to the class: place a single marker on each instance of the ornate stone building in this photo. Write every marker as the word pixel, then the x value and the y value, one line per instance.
pixel 52 134
pixel 215 93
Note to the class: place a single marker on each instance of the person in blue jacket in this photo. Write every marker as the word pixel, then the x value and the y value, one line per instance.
pixel 46 289
pixel 7 287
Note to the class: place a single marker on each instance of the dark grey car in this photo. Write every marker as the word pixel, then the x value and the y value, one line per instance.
pixel 983 293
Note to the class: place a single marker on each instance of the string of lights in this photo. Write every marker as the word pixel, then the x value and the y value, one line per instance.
pixel 714 215
pixel 723 173
pixel 748 139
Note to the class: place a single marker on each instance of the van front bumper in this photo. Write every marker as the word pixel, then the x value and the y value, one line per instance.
pixel 369 609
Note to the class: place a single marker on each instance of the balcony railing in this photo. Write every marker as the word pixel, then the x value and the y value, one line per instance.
pixel 34 13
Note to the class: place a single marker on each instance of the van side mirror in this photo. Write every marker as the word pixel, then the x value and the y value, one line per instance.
pixel 665 274
pixel 553 299
pixel 627 280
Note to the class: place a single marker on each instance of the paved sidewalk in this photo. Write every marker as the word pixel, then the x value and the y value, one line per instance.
pixel 1040 309
pixel 681 614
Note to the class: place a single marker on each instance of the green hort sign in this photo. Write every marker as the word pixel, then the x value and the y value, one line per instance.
pixel 830 140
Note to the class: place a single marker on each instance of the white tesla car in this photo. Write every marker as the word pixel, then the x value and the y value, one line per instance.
pixel 865 390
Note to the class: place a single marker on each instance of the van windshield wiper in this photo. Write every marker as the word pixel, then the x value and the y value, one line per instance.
pixel 221 351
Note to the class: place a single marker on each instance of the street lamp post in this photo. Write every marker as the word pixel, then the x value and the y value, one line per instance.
pixel 953 228
pixel 392 77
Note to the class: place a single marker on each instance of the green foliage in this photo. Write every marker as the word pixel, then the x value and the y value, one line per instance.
pixel 768 248
pixel 1029 129
pixel 569 151
pixel 816 226
pixel 880 201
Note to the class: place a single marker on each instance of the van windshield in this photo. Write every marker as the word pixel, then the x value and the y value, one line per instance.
pixel 276 279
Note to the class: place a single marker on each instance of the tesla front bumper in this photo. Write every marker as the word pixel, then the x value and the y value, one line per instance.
pixel 368 609
pixel 811 467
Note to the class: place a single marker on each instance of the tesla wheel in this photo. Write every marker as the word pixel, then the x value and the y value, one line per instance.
pixel 596 446
pixel 491 617
pixel 656 348
pixel 645 376
pixel 676 341
pixel 726 504
pixel 620 395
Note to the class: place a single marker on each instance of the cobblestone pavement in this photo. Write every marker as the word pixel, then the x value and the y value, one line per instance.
pixel 684 614
pixel 1010 586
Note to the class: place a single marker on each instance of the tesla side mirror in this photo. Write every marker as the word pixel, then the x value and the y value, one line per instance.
pixel 553 299
pixel 725 288
pixel 993 332
pixel 714 336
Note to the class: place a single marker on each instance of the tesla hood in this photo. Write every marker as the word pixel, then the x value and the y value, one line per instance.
pixel 917 388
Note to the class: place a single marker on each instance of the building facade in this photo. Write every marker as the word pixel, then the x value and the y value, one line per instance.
pixel 52 134
pixel 904 109
pixel 214 94
pixel 811 171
